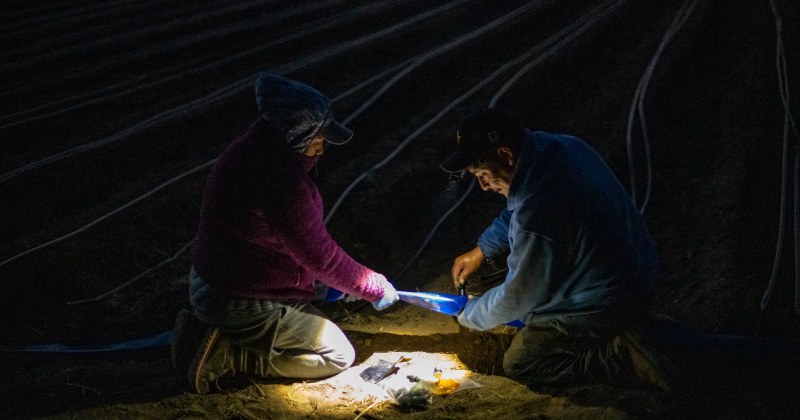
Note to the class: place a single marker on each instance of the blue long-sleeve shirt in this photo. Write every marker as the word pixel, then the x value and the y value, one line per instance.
pixel 577 242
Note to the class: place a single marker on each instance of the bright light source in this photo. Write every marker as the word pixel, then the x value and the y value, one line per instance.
pixel 349 388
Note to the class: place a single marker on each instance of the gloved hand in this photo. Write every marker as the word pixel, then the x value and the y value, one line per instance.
pixel 389 297
pixel 334 294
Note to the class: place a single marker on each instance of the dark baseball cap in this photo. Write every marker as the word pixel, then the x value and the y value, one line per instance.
pixel 478 134
pixel 334 132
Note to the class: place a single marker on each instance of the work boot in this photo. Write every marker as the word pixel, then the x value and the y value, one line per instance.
pixel 250 362
pixel 186 338
pixel 213 360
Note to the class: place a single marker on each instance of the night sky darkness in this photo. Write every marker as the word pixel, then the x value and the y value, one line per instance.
pixel 112 113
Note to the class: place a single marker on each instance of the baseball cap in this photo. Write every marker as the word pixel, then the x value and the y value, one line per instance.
pixel 298 111
pixel 334 132
pixel 478 134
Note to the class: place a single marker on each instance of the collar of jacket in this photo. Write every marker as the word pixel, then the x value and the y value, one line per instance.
pixel 541 161
pixel 307 162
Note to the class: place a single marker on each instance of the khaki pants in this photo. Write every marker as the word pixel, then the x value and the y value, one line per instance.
pixel 275 339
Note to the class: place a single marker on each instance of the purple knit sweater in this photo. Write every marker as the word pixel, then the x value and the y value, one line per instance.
pixel 261 232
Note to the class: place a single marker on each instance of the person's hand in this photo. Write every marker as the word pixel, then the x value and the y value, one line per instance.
pixel 350 298
pixel 389 297
pixel 465 265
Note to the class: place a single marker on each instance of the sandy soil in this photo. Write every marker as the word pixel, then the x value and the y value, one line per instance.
pixel 127 95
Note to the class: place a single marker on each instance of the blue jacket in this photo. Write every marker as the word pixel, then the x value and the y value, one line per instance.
pixel 577 243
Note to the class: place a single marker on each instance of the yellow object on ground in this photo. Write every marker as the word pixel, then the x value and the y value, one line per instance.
pixel 445 386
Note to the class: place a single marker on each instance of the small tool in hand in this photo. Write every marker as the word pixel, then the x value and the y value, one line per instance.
pixel 462 287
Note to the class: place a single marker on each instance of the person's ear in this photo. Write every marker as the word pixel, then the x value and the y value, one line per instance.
pixel 506 154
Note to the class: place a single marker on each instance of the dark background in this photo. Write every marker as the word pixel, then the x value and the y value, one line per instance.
pixel 144 75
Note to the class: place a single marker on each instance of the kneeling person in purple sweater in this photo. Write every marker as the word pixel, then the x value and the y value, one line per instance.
pixel 261 246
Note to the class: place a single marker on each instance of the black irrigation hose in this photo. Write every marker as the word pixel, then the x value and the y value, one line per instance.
pixel 186 247
pixel 448 108
pixel 414 62
pixel 788 126
pixel 180 18
pixel 107 215
pixel 232 89
pixel 43 19
pixel 208 164
pixel 638 100
pixel 576 29
pixel 203 166
pixel 137 278
pixel 435 228
pixel 466 95
pixel 559 40
pixel 128 87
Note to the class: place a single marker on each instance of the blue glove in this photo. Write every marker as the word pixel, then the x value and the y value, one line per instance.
pixel 334 294
pixel 389 297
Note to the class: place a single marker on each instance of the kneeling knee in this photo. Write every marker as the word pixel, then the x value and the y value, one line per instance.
pixel 348 356
pixel 513 366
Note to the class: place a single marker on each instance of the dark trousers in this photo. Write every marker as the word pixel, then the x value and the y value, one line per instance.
pixel 603 347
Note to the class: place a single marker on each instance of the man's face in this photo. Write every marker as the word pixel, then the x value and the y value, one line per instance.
pixel 315 148
pixel 493 176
